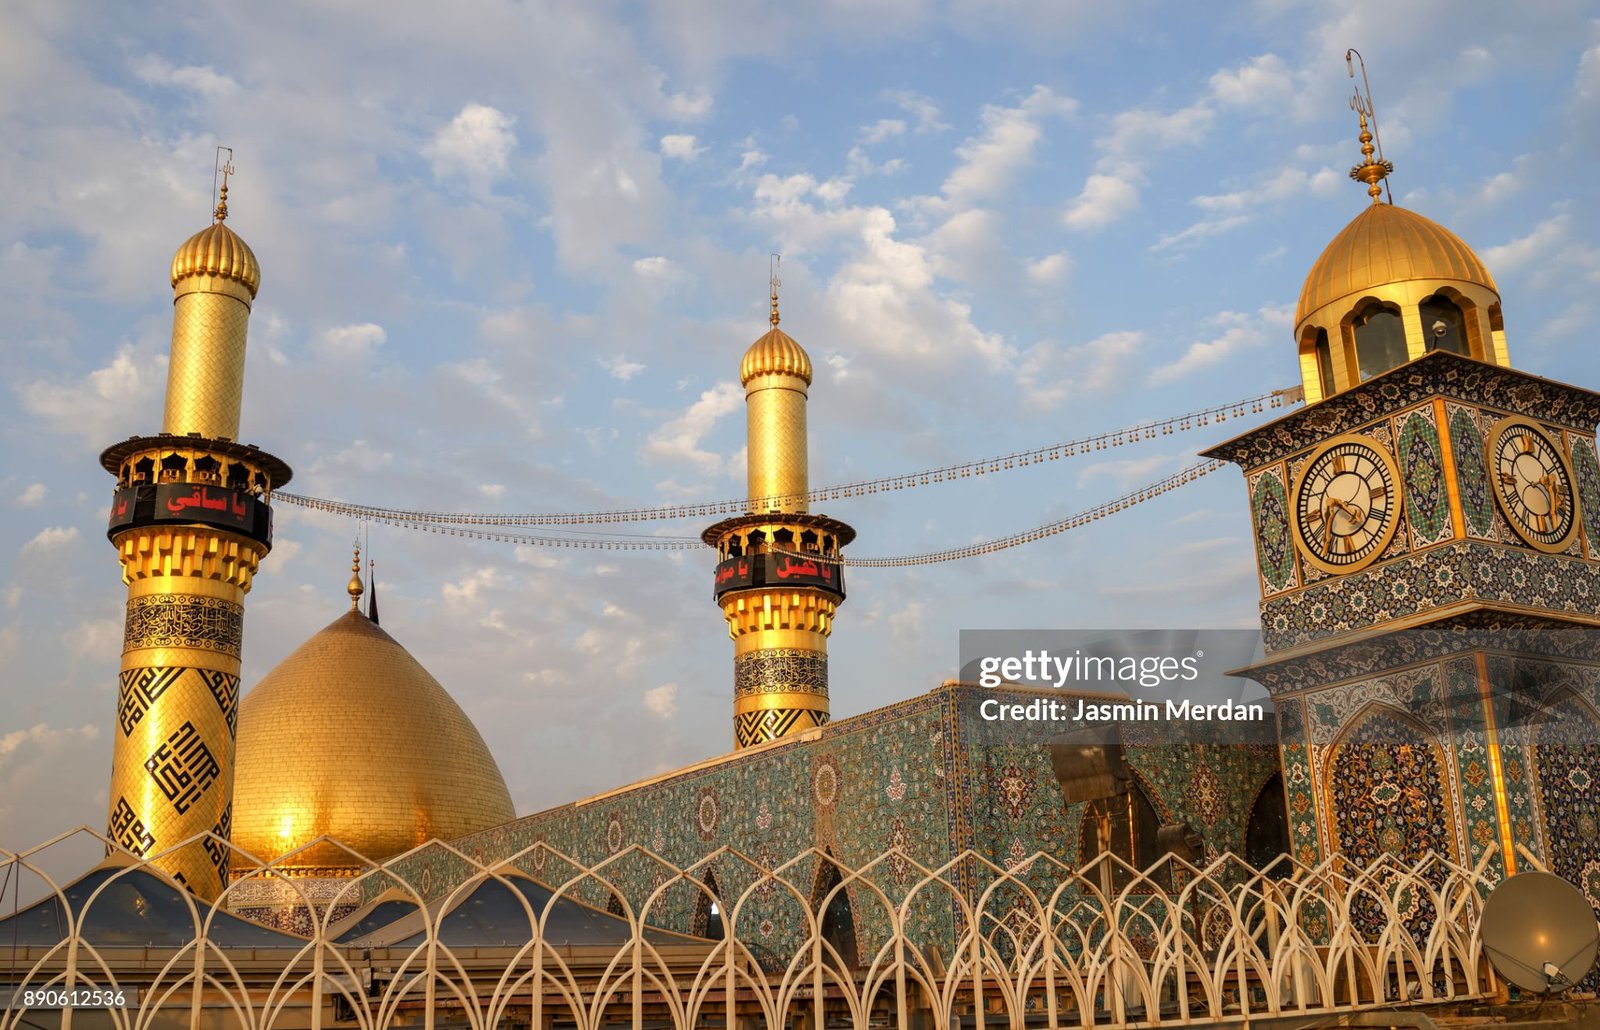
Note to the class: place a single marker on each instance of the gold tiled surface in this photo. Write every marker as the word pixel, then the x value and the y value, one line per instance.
pixel 205 379
pixel 172 758
pixel 217 251
pixel 776 353
pixel 350 737
pixel 1386 244
pixel 775 426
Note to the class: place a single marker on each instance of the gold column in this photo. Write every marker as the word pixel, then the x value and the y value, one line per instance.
pixel 775 432
pixel 190 523
pixel 205 379
pixel 779 578
pixel 178 696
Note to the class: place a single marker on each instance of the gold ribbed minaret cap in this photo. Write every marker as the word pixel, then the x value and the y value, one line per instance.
pixel 355 588
pixel 218 250
pixel 776 353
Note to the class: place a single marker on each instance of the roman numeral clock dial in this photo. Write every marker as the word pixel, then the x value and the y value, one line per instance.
pixel 1346 504
pixel 1533 484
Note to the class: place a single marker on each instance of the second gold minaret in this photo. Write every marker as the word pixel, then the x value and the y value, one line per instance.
pixel 190 522
pixel 779 577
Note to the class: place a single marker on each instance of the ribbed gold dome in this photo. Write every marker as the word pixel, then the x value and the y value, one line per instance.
pixel 1388 244
pixel 350 737
pixel 775 353
pixel 217 250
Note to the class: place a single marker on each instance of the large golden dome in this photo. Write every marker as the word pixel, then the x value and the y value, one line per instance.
pixel 351 737
pixel 1384 245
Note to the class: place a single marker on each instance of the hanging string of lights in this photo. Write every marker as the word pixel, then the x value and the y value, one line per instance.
pixel 737 506
pixel 667 543
pixel 1082 518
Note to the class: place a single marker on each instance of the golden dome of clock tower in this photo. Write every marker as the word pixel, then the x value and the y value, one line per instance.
pixel 1390 287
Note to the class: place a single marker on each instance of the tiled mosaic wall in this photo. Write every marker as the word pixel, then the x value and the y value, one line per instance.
pixel 1403 763
pixel 924 776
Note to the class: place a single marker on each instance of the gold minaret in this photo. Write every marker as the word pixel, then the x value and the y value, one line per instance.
pixel 779 578
pixel 191 522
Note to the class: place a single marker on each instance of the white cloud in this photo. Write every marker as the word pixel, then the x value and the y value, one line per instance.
pixel 50 539
pixel 98 405
pixel 991 160
pixel 206 81
pixel 1513 256
pixel 476 145
pixel 493 491
pixel 1203 354
pixel 41 734
pixel 1587 85
pixel 662 701
pixel 1260 84
pixel 681 147
pixel 1105 199
pixel 1048 373
pixel 881 130
pixel 33 494
pixel 1051 270
pixel 679 439
pixel 621 368
pixel 659 268
pixel 351 341
pixel 922 109
pixel 1226 211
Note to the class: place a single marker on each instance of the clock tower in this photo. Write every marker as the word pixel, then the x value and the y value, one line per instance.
pixel 1427 535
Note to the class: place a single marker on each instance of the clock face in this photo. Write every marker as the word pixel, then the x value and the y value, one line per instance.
pixel 1533 484
pixel 1346 504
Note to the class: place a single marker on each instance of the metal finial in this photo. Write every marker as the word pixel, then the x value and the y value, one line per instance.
pixel 1372 170
pixel 773 271
pixel 354 587
pixel 222 170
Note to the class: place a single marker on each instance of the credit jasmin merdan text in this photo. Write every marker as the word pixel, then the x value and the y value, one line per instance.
pixel 1044 709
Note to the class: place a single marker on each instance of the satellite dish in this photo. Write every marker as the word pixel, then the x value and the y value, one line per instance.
pixel 1540 932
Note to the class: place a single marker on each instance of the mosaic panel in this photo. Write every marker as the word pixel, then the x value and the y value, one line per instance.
pixel 781 670
pixel 1472 475
pixel 1479 814
pixel 1440 576
pixel 1587 470
pixel 1427 501
pixel 1387 793
pixel 1269 504
pixel 183 620
pixel 1298 780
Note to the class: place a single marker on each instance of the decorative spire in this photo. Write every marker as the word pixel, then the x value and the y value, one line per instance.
pixel 354 588
pixel 776 258
pixel 225 169
pixel 1372 170
pixel 372 594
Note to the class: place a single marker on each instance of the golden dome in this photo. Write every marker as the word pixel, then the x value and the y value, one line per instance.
pixel 1387 244
pixel 351 737
pixel 776 353
pixel 217 250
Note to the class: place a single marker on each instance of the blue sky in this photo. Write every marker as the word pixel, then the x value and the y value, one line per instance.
pixel 512 253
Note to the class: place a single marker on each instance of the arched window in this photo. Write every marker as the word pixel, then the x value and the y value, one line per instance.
pixel 1266 830
pixel 1444 325
pixel 1124 824
pixel 707 921
pixel 1380 339
pixel 1324 362
pixel 838 923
